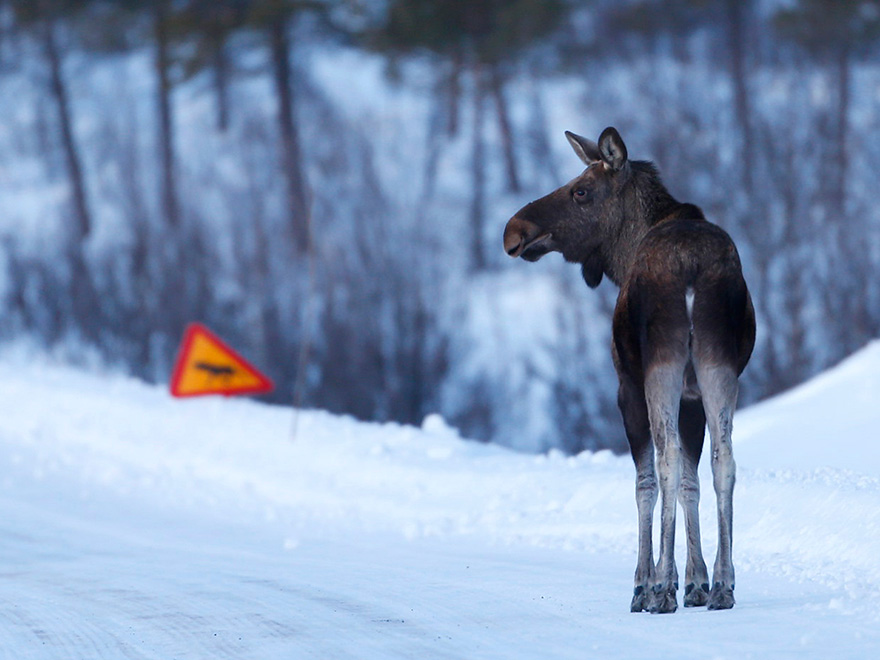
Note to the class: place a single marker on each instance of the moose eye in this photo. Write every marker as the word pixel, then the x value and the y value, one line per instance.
pixel 580 194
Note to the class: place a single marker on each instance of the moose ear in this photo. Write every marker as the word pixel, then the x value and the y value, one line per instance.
pixel 612 149
pixel 587 150
pixel 592 269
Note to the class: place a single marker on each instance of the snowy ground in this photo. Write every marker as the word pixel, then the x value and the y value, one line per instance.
pixel 137 526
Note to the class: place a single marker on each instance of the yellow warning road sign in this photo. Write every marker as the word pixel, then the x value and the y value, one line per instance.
pixel 206 365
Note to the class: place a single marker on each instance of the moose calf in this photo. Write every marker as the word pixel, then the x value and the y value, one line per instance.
pixel 683 330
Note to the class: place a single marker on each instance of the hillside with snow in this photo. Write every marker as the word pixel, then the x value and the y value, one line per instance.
pixel 309 181
pixel 133 525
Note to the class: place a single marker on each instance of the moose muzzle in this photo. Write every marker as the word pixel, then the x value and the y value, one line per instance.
pixel 523 238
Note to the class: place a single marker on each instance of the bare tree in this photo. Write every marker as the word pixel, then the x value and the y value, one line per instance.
pixel 44 17
pixel 162 65
pixel 482 38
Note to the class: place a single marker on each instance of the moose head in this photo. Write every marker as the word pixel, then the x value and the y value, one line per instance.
pixel 583 216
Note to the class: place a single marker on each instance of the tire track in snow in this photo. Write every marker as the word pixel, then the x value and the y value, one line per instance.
pixel 60 632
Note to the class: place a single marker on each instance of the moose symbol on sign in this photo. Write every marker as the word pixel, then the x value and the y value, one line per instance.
pixel 215 370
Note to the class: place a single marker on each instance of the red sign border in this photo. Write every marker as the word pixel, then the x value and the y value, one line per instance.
pixel 193 330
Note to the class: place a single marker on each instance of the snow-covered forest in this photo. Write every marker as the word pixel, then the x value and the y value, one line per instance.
pixel 324 183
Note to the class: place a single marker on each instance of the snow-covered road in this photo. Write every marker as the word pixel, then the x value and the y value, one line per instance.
pixel 136 526
pixel 72 591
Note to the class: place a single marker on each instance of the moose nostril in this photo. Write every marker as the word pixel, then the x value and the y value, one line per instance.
pixel 514 250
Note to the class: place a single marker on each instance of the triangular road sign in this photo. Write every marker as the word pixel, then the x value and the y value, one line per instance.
pixel 206 365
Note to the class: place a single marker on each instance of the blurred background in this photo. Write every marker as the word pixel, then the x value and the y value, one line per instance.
pixel 324 183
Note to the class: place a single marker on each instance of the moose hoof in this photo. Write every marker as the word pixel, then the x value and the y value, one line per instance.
pixel 721 597
pixel 663 600
pixel 640 600
pixel 696 596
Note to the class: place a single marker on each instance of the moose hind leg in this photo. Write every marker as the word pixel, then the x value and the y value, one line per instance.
pixel 663 385
pixel 719 387
pixel 692 429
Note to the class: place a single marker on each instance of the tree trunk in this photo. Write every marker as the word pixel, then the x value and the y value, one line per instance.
pixel 174 275
pixel 478 174
pixel 170 207
pixel 852 228
pixel 736 32
pixel 272 336
pixel 221 85
pixel 436 130
pixel 83 221
pixel 410 375
pixel 540 151
pixel 497 89
pixel 291 156
pixel 84 302
pixel 454 92
pixel 841 130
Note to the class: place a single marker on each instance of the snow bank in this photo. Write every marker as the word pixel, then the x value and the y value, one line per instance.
pixel 239 460
pixel 229 528
pixel 830 421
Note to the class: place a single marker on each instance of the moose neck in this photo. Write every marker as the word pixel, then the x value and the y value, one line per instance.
pixel 645 201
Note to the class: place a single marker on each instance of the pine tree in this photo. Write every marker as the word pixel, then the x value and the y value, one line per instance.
pixel 208 26
pixel 484 38
pixel 45 19
pixel 835 34
pixel 275 20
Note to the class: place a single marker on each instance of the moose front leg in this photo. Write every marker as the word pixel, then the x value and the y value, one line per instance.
pixel 631 400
